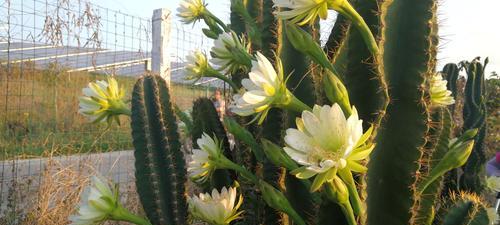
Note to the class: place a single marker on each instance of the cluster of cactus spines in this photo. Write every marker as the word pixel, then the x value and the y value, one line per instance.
pixel 388 89
pixel 437 148
pixel 395 161
pixel 464 209
pixel 474 114
pixel 206 120
pixel 160 166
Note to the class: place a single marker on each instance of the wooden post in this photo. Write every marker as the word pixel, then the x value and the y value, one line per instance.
pixel 160 52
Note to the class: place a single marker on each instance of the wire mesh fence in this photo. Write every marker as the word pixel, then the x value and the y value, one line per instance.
pixel 49 51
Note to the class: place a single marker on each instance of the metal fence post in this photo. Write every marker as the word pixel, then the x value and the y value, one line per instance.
pixel 160 54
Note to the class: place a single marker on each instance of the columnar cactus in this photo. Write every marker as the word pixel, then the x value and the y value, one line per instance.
pixel 312 121
pixel 159 163
pixel 474 116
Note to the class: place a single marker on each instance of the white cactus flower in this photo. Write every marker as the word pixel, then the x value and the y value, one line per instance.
pixel 493 183
pixel 218 208
pixel 302 11
pixel 103 101
pixel 97 203
pixel 196 65
pixel 493 216
pixel 229 53
pixel 201 166
pixel 264 89
pixel 325 142
pixel 191 10
pixel 440 95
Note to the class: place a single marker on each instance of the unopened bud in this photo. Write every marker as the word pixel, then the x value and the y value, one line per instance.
pixel 209 33
pixel 277 155
pixel 458 153
pixel 304 42
pixel 336 92
pixel 337 190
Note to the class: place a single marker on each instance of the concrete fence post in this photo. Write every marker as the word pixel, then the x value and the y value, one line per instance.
pixel 160 52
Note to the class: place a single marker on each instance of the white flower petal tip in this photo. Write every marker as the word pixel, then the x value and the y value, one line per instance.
pixel 326 141
pixel 439 94
pixel 264 89
pixel 302 11
pixel 216 208
pixel 202 166
pixel 230 53
pixel 97 203
pixel 196 65
pixel 103 101
pixel 493 183
pixel 191 11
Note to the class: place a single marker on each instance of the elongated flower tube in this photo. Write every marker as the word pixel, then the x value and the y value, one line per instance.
pixel 302 11
pixel 265 88
pixel 191 11
pixel 325 142
pixel 219 208
pixel 202 163
pixel 197 66
pixel 230 53
pixel 99 203
pixel 440 95
pixel 103 101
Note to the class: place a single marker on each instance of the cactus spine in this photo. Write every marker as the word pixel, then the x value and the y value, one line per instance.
pixel 465 209
pixel 160 167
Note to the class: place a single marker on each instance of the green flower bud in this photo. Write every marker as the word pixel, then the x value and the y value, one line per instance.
pixel 458 153
pixel 277 200
pixel 277 155
pixel 336 92
pixel 209 33
pixel 304 42
pixel 337 191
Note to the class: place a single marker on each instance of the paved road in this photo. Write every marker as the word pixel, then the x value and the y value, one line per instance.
pixel 22 177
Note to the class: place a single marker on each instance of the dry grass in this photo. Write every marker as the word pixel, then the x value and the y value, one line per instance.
pixel 58 195
pixel 39 110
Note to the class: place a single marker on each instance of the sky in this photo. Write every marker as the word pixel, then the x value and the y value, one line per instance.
pixel 467 28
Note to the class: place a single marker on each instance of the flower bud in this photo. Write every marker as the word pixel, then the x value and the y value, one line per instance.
pixel 458 153
pixel 277 155
pixel 337 190
pixel 336 92
pixel 277 200
pixel 209 33
pixel 304 42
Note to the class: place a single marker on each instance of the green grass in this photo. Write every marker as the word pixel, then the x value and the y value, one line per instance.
pixel 38 113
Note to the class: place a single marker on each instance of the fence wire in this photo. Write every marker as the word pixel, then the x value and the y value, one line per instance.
pixel 49 51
